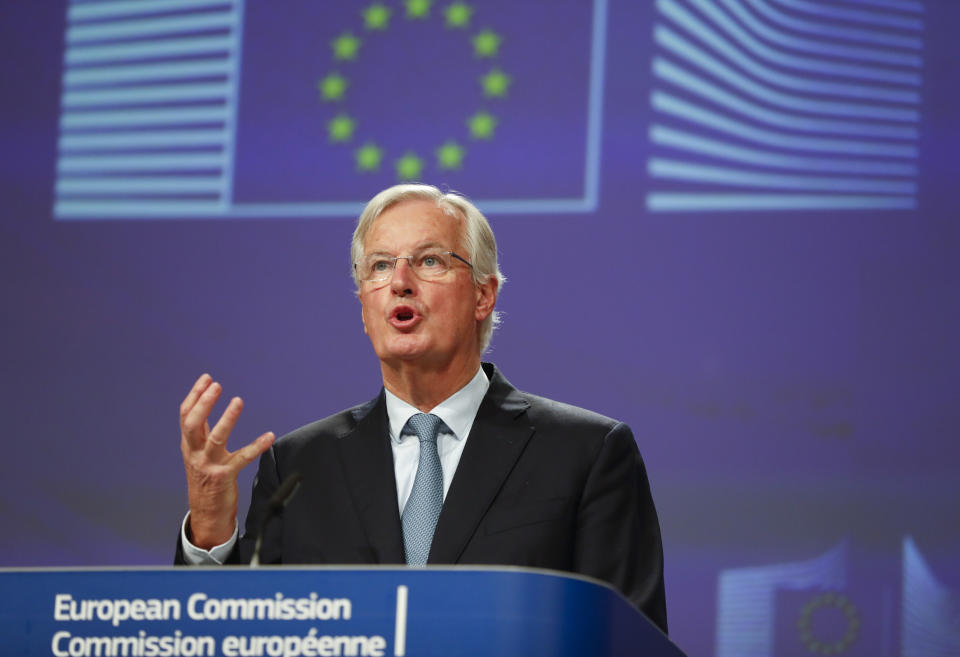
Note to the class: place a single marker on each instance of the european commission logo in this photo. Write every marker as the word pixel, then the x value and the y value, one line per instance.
pixel 785 105
pixel 838 604
pixel 231 108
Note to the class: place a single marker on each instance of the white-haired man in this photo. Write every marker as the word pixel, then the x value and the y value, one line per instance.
pixel 449 464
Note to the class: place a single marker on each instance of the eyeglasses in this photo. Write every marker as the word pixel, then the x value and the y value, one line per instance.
pixel 426 265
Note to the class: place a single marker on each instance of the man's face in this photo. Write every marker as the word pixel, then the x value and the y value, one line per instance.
pixel 432 322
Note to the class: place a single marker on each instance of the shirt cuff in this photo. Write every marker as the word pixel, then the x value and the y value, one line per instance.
pixel 215 556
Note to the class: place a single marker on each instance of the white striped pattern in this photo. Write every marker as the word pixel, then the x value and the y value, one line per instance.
pixel 930 625
pixel 149 102
pixel 785 105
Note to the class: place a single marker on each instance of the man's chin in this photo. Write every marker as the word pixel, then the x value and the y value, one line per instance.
pixel 404 348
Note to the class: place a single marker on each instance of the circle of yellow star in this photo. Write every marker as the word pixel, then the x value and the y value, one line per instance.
pixel 450 155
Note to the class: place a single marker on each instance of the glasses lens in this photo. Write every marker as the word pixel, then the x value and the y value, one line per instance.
pixel 431 264
pixel 428 264
pixel 376 268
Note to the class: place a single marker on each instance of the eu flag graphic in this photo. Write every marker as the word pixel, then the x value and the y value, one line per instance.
pixel 306 108
pixel 342 98
pixel 850 601
pixel 827 622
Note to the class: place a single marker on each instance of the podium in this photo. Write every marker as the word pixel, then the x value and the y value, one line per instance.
pixel 319 611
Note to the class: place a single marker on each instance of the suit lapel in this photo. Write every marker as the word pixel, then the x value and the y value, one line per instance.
pixel 367 463
pixel 498 436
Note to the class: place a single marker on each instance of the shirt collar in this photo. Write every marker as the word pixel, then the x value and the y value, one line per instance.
pixel 457 411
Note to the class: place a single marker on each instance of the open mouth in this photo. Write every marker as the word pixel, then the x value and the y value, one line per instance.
pixel 404 317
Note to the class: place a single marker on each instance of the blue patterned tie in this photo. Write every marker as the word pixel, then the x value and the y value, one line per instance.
pixel 423 507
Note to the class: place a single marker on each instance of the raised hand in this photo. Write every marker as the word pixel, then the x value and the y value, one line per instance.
pixel 211 469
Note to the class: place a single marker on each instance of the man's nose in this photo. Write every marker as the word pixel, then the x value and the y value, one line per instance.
pixel 403 281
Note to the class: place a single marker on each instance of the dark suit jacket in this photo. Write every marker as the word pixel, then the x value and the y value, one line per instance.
pixel 540 484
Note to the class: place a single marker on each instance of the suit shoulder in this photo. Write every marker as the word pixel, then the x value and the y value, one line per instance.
pixel 329 428
pixel 549 411
pixel 572 430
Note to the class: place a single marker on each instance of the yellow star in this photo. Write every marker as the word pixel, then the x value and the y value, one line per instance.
pixel 458 14
pixel 409 166
pixel 482 124
pixel 340 127
pixel 368 157
pixel 418 8
pixel 345 46
pixel 486 43
pixel 495 83
pixel 450 155
pixel 376 16
pixel 332 87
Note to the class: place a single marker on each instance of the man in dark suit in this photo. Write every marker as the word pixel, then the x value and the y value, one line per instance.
pixel 450 464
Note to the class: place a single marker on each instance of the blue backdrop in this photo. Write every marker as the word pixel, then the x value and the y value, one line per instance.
pixel 730 223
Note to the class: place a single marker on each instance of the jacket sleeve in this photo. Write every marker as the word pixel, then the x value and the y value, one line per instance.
pixel 618 533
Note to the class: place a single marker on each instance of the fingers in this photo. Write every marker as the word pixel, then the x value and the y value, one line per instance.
pixel 194 394
pixel 199 437
pixel 246 455
pixel 217 438
pixel 193 424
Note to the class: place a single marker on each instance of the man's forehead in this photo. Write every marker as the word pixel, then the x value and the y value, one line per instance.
pixel 414 223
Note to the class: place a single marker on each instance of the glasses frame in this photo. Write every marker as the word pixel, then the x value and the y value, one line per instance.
pixel 408 258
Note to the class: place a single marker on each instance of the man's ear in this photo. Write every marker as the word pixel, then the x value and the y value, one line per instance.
pixel 486 298
pixel 362 318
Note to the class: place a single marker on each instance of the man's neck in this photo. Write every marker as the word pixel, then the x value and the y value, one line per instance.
pixel 423 386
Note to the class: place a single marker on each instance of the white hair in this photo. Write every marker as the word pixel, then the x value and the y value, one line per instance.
pixel 478 239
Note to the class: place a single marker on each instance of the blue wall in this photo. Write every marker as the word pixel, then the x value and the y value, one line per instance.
pixel 731 224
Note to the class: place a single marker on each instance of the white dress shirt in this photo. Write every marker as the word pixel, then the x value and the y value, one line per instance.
pixel 457 411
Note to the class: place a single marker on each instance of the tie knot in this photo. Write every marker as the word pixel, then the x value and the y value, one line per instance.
pixel 426 426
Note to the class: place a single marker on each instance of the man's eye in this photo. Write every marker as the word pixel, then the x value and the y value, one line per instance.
pixel 431 261
pixel 380 266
